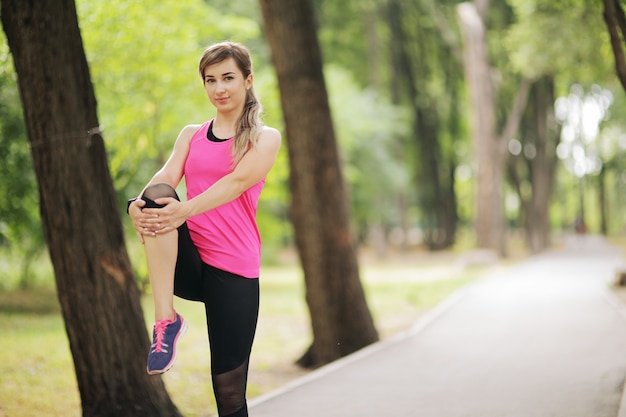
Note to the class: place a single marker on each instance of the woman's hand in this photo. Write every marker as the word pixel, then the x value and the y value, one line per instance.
pixel 136 215
pixel 157 221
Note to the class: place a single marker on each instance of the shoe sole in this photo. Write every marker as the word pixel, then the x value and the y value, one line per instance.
pixel 180 334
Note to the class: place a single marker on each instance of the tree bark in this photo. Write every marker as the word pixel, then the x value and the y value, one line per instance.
pixel 490 160
pixel 616 24
pixel 540 132
pixel 340 318
pixel 543 165
pixel 95 285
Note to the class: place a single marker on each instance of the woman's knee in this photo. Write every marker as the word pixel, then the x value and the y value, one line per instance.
pixel 155 191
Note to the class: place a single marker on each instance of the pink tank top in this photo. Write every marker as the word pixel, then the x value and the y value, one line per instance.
pixel 227 237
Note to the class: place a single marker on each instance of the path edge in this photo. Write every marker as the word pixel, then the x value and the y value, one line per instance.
pixel 422 323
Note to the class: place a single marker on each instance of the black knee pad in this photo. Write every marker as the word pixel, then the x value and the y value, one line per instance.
pixel 155 191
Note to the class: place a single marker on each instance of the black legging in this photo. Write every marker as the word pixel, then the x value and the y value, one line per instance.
pixel 232 307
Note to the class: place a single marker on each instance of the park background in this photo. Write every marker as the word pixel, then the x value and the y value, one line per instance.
pixel 403 111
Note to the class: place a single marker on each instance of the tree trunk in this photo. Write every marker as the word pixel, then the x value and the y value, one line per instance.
pixel 340 318
pixel 490 161
pixel 96 289
pixel 616 24
pixel 396 89
pixel 602 202
pixel 541 134
pixel 435 185
pixel 543 165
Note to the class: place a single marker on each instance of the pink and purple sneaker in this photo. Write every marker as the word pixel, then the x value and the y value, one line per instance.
pixel 165 335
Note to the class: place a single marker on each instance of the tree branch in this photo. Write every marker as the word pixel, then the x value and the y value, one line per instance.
pixel 515 115
pixel 616 23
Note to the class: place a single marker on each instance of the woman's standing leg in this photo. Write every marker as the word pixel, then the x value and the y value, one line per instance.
pixel 232 308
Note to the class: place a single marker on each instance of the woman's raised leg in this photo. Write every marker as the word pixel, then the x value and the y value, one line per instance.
pixel 161 255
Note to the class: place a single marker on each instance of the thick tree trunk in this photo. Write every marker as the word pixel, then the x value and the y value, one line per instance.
pixel 96 289
pixel 340 318
pixel 489 223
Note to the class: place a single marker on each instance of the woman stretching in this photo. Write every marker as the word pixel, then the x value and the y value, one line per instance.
pixel 208 247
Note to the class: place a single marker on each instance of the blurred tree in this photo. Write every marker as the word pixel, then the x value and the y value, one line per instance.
pixel 528 74
pixel 611 143
pixel 532 163
pixel 519 66
pixel 367 126
pixel 615 20
pixel 347 33
pixel 96 290
pixel 616 24
pixel 353 33
pixel 554 66
pixel 356 32
pixel 586 151
pixel 488 150
pixel 426 75
pixel 340 318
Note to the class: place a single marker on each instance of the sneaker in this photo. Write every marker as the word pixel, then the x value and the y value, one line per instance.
pixel 164 338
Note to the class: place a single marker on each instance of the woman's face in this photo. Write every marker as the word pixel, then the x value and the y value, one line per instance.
pixel 226 86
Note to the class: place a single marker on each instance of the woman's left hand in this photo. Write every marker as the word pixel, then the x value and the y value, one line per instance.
pixel 162 220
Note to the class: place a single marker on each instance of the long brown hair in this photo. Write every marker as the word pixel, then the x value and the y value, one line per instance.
pixel 249 124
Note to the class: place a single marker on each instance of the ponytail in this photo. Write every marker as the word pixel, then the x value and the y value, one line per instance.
pixel 249 127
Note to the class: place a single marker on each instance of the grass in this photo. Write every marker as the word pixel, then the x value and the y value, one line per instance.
pixel 37 374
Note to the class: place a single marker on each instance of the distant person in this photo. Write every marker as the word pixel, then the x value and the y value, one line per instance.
pixel 579 226
pixel 208 247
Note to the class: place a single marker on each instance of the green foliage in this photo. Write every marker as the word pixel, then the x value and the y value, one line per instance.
pixel 343 28
pixel 367 125
pixel 16 170
pixel 566 37
pixel 20 230
pixel 566 40
pixel 143 58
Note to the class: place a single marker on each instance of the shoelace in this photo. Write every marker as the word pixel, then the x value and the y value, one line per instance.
pixel 159 334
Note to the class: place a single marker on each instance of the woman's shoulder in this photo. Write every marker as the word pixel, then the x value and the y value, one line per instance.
pixel 270 136
pixel 193 128
pixel 190 130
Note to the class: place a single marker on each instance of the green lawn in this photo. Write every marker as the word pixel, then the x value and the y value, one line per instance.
pixel 37 375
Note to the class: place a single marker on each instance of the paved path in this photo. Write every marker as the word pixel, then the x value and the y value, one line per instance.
pixel 545 338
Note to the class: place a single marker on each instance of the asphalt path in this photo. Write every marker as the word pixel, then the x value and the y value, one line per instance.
pixel 544 338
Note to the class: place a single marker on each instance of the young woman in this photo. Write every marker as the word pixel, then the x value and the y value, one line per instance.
pixel 208 248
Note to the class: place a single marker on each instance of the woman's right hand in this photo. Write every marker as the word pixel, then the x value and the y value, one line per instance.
pixel 134 211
